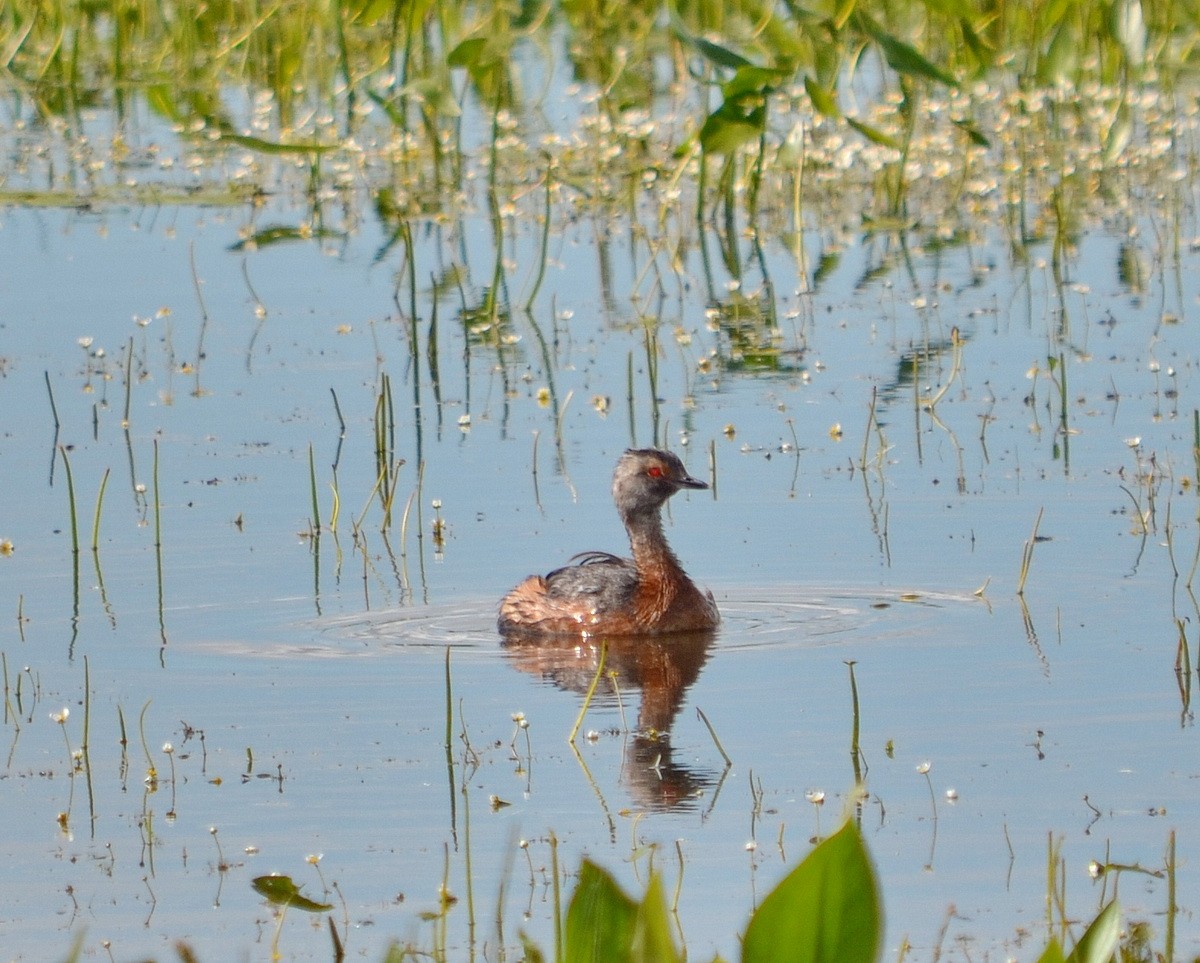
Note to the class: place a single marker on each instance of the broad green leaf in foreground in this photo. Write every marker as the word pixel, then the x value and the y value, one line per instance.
pixel 825 911
pixel 606 926
pixel 1099 942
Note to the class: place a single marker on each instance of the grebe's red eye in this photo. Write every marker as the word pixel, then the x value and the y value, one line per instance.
pixel 654 471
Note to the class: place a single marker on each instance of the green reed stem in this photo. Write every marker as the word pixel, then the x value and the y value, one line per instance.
pixel 53 406
pixel 713 732
pixel 71 499
pixel 855 749
pixel 151 772
pixel 85 754
pixel 1172 909
pixel 545 245
pixel 10 712
pixel 1027 554
pixel 158 555
pixel 128 382
pixel 99 506
pixel 587 700
pixel 312 489
pixel 862 458
pixel 1196 444
pixel 558 914
pixel 337 409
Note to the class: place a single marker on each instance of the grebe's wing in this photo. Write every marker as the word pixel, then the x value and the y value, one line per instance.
pixel 607 578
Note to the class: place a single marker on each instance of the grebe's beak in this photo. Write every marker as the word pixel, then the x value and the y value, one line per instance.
pixel 687 481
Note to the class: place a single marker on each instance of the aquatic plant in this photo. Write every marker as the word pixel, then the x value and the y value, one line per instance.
pixel 826 910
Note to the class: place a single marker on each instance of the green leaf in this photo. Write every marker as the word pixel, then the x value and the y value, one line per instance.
pixel 974 133
pixel 281 891
pixel 533 952
pixel 1129 29
pixel 1119 134
pixel 713 52
pixel 600 919
pixel 980 48
pixel 824 101
pixel 1053 954
pixel 903 57
pixel 161 100
pixel 1062 57
pixel 844 9
pixel 825 911
pixel 728 128
pixel 469 53
pixel 873 134
pixel 652 942
pixel 1099 943
pixel 751 81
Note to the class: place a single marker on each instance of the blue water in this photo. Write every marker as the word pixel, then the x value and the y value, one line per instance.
pixel 315 669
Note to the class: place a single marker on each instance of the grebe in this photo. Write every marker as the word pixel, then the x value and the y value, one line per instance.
pixel 602 594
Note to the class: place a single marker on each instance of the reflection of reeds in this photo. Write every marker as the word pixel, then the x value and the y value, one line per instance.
pixel 1027 554
pixel 158 555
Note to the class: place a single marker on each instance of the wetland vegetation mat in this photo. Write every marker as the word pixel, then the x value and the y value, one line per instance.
pixel 324 324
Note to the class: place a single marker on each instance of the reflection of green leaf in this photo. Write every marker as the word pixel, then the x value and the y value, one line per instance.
pixel 873 134
pixel 1062 57
pixel 974 133
pixel 902 57
pixel 824 101
pixel 278 235
pixel 469 53
pixel 751 81
pixel 273 147
pixel 977 45
pixel 826 909
pixel 282 891
pixel 721 56
pixel 1129 29
pixel 729 127
pixel 161 100
pixel 1119 134
pixel 826 265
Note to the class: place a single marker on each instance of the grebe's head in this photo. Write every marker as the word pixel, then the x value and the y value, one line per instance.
pixel 647 477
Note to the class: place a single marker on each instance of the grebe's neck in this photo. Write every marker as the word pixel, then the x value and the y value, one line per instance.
pixel 650 549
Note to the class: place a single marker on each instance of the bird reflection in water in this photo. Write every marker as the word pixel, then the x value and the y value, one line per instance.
pixel 662 668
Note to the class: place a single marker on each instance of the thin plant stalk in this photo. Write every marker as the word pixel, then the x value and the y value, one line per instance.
pixel 587 700
pixel 713 732
pixel 450 751
pixel 312 488
pixel 158 558
pixel 1027 554
pixel 151 771
pixel 85 756
pixel 128 383
pixel 71 500
pixel 53 406
pixel 99 506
